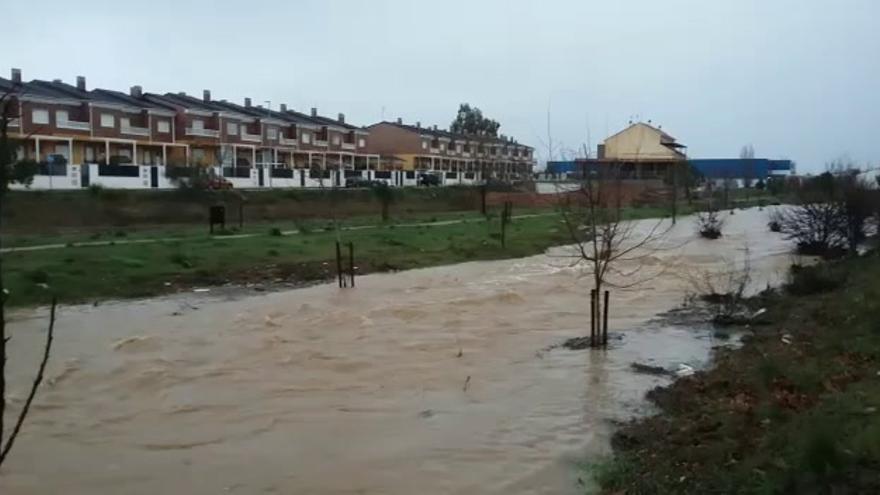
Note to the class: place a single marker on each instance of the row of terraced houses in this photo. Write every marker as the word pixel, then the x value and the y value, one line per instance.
pixel 82 136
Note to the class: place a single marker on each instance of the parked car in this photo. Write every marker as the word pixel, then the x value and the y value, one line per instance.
pixel 219 184
pixel 429 180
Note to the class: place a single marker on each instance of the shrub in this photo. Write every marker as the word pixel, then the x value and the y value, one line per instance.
pixel 806 280
pixel 709 224
pixel 38 276
pixel 275 232
pixel 181 259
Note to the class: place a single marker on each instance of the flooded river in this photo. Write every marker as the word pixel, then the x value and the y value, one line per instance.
pixel 430 381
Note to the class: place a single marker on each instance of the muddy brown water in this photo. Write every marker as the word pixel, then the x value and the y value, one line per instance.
pixel 321 390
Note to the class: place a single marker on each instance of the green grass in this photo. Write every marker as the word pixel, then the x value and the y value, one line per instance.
pixel 194 231
pixel 86 273
pixel 801 416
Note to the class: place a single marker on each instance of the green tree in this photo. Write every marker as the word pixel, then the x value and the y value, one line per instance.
pixel 386 196
pixel 470 121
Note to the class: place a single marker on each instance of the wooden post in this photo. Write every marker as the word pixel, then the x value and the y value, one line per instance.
pixel 351 262
pixel 605 322
pixel 240 214
pixel 483 199
pixel 339 264
pixel 593 318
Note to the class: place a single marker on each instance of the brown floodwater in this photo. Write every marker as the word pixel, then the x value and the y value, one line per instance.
pixel 438 380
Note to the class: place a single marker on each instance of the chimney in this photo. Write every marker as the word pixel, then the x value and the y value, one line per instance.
pixel 283 107
pixel 181 93
pixel 399 120
pixel 16 76
pixel 435 127
pixel 341 118
pixel 314 112
pixel 418 125
pixel 57 80
pixel 247 102
pixel 136 91
pixel 81 83
pixel 206 95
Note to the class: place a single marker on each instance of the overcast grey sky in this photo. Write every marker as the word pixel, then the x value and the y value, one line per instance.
pixel 796 78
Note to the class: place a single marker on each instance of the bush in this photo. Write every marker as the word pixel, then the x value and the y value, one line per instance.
pixel 275 232
pixel 709 224
pixel 38 276
pixel 181 260
pixel 806 280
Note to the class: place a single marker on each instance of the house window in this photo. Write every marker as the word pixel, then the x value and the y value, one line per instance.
pixel 61 116
pixel 424 145
pixel 231 128
pixel 306 138
pixel 108 120
pixel 362 143
pixel 336 140
pixel 124 122
pixel 442 147
pixel 198 125
pixel 273 133
pixel 40 116
pixel 458 148
pixel 163 126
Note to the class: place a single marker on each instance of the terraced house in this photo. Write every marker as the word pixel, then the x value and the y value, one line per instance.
pixel 139 139
pixel 456 158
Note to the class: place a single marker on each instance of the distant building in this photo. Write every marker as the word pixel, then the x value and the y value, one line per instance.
pixel 458 158
pixel 741 170
pixel 641 152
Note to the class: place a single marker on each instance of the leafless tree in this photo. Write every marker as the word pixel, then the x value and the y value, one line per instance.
pixel 831 214
pixel 611 249
pixel 724 289
pixel 9 110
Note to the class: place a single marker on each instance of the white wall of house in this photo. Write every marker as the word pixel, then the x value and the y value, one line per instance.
pixel 142 181
pixel 52 182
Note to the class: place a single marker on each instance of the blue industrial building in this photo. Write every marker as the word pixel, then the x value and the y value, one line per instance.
pixel 741 168
pixel 714 169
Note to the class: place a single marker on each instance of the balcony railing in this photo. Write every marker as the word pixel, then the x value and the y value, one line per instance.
pixel 14 122
pixel 135 131
pixel 211 133
pixel 347 146
pixel 284 141
pixel 73 124
pixel 254 138
pixel 320 142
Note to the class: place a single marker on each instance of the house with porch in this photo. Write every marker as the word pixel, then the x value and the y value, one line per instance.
pixel 641 151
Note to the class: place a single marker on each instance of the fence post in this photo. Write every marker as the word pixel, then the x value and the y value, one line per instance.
pixel 605 322
pixel 351 262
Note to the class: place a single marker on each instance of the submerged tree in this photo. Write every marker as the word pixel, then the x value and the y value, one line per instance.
pixel 612 249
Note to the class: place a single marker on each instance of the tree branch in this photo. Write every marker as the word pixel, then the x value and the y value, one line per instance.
pixel 34 386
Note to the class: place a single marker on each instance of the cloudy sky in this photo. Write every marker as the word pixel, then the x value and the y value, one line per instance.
pixel 795 78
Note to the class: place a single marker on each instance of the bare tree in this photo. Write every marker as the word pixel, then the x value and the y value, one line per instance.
pixel 9 110
pixel 612 249
pixel 831 214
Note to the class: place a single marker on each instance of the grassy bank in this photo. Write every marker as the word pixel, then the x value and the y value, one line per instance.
pixel 121 270
pixel 795 410
pixel 97 209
